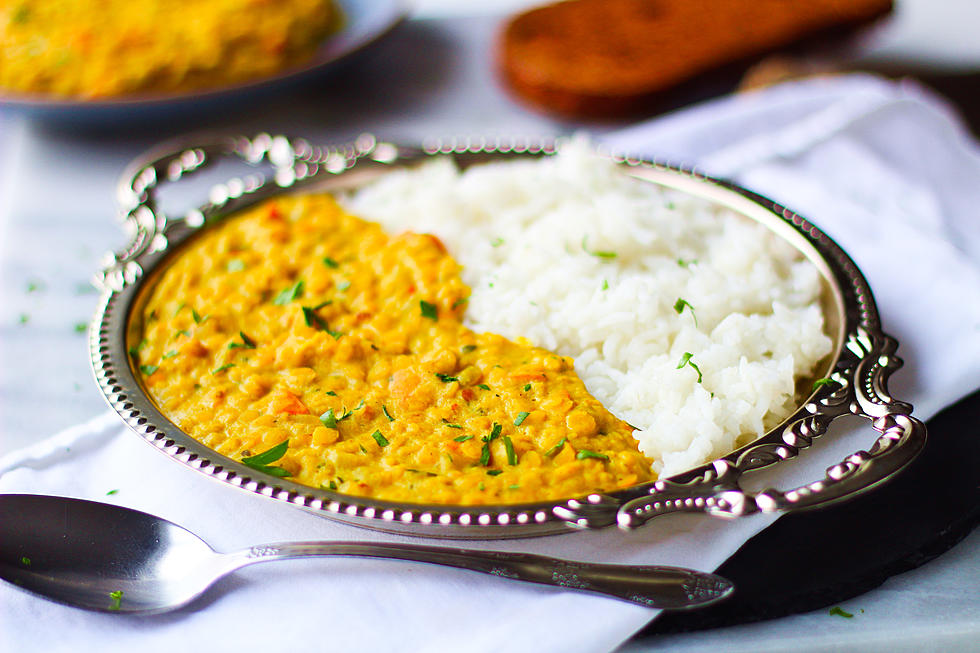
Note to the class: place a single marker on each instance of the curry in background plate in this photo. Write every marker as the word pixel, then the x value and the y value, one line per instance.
pixel 309 343
pixel 92 49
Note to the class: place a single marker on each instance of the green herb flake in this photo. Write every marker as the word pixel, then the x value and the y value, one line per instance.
pixel 687 263
pixel 317 322
pixel 453 426
pixel 24 560
pixel 330 263
pixel 555 449
pixel 527 386
pixel 509 448
pixel 521 416
pixel 597 254
pixel 585 453
pixel 170 354
pixel 246 343
pixel 332 485
pixel 23 318
pixel 446 378
pixel 116 597
pixel 605 285
pixel 329 419
pixel 380 439
pixel 289 294
pixel 147 370
pixel 235 265
pixel 494 472
pixel 81 327
pixel 197 318
pixel 819 383
pixel 35 286
pixel 111 492
pixel 515 486
pixel 468 348
pixel 384 409
pixel 686 360
pixel 429 310
pixel 483 386
pixel 462 438
pixel 460 302
pixel 838 611
pixel 679 306
pixel 222 368
pixel 261 462
pixel 21 15
pixel 343 285
pixel 496 242
pixel 331 393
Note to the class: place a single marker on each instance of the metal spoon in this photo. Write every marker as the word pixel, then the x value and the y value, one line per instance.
pixel 108 558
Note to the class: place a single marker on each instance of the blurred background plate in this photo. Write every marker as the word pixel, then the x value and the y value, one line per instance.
pixel 365 22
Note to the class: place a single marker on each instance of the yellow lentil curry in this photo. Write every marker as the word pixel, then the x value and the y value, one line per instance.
pixel 104 48
pixel 309 343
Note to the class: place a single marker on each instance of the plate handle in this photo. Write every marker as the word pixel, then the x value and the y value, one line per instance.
pixel 274 163
pixel 859 388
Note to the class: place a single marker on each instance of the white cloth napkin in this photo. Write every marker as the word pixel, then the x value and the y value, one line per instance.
pixel 883 168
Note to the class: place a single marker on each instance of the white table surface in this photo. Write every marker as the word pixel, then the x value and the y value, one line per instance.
pixel 433 77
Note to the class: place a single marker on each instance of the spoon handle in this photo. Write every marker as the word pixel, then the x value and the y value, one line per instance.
pixel 668 588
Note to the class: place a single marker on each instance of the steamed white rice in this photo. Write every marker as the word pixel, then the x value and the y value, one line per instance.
pixel 575 256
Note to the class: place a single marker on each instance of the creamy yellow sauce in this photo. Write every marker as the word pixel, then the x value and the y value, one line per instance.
pixel 107 48
pixel 296 322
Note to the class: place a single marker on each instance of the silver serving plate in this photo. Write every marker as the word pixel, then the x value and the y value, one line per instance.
pixel 860 365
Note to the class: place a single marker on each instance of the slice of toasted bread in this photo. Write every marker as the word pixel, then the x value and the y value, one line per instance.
pixel 615 58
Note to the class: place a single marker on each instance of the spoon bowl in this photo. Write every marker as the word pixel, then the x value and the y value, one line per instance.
pixel 109 558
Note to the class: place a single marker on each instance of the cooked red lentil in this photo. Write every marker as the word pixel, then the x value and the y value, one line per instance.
pixel 299 323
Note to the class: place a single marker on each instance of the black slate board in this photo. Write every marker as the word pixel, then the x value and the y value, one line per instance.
pixel 854 547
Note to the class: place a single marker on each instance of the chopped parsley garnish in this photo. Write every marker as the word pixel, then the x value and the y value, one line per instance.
pixel 317 322
pixel 686 360
pixel 23 318
pixel 521 416
pixel 81 327
pixel 460 302
pixel 446 378
pixel 585 453
pixel 34 286
pixel 149 369
pixel 483 385
pixel 429 310
pixel 494 472
pixel 819 383
pixel 509 448
pixel 597 254
pixel 21 15
pixel 221 368
pixel 197 318
pixel 555 449
pixel 380 439
pixel 515 486
pixel 116 597
pixel 289 294
pixel 329 486
pixel 170 354
pixel 496 242
pixel 235 265
pixel 838 611
pixel 527 386
pixel 684 264
pixel 261 462
pixel 24 560
pixel 330 263
pixel 343 285
pixel 453 426
pixel 679 308
pixel 605 285
pixel 468 348
pixel 331 393
pixel 485 452
pixel 246 343
pixel 111 492
pixel 384 409
pixel 462 438
pixel 329 419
